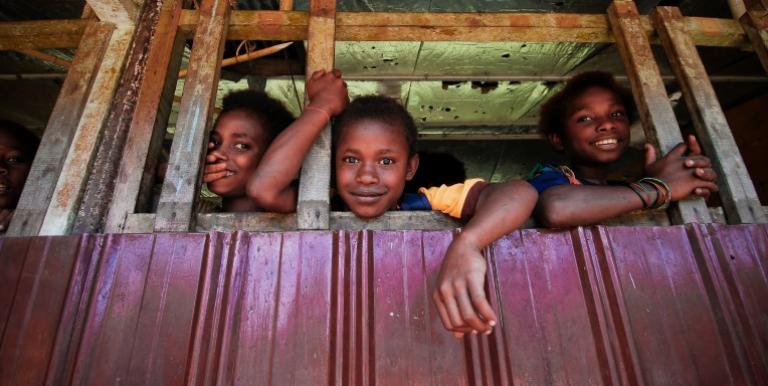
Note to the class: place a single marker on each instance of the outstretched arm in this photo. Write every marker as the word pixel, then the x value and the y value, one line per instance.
pixel 270 186
pixel 460 294
pixel 573 205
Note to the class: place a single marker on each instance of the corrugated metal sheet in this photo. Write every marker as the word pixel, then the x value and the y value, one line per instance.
pixel 673 305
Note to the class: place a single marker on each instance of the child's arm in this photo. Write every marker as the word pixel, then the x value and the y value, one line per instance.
pixel 572 205
pixel 270 186
pixel 459 293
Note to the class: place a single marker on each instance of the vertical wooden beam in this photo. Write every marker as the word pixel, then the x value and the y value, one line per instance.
pixel 740 199
pixel 101 180
pixel 286 5
pixel 182 180
pixel 150 118
pixel 313 208
pixel 63 122
pixel 755 24
pixel 64 204
pixel 118 12
pixel 656 114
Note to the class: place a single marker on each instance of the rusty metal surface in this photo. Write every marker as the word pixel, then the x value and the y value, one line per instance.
pixel 619 305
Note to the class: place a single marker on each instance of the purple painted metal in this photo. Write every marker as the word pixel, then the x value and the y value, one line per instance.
pixel 681 305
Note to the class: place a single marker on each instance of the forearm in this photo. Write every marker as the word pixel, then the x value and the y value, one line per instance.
pixel 271 184
pixel 569 205
pixel 501 208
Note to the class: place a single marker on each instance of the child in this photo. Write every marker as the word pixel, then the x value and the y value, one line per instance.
pixel 589 121
pixel 374 156
pixel 17 151
pixel 248 123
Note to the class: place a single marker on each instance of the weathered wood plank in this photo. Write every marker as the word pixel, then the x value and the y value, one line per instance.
pixel 41 34
pixel 755 25
pixel 740 199
pixel 150 118
pixel 658 119
pixel 428 220
pixel 286 5
pixel 313 207
pixel 253 222
pixel 65 201
pixel 59 131
pixel 118 12
pixel 180 189
pixel 101 181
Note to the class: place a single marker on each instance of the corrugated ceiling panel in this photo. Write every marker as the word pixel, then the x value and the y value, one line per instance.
pixel 590 306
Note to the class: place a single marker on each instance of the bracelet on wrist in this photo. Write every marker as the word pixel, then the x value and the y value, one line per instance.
pixel 662 188
pixel 323 111
pixel 639 190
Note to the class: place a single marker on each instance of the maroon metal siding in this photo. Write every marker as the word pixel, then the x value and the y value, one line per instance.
pixel 672 305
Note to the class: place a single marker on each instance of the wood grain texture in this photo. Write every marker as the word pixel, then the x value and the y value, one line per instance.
pixel 182 180
pixel 60 130
pixel 755 25
pixel 150 117
pixel 119 12
pixel 313 206
pixel 740 199
pixel 659 121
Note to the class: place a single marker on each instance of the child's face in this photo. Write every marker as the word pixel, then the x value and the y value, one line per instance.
pixel 372 165
pixel 596 128
pixel 14 167
pixel 239 141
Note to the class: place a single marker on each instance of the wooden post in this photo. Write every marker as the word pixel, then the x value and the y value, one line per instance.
pixel 30 211
pixel 740 199
pixel 101 180
pixel 658 119
pixel 118 12
pixel 65 202
pixel 313 208
pixel 286 5
pixel 755 24
pixel 150 118
pixel 182 180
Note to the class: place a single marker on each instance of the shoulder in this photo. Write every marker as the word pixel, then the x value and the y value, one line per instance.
pixel 545 176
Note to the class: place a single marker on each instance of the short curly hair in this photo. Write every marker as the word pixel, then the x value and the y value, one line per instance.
pixel 554 112
pixel 271 113
pixel 28 140
pixel 378 108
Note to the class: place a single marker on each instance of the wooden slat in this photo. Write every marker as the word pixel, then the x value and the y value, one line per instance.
pixel 59 131
pixel 755 25
pixel 101 182
pixel 658 119
pixel 261 222
pixel 180 189
pixel 41 34
pixel 150 117
pixel 313 207
pixel 740 199
pixel 118 12
pixel 64 204
pixel 394 221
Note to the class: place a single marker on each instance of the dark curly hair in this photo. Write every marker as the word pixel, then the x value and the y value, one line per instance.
pixel 554 112
pixel 379 108
pixel 26 137
pixel 271 113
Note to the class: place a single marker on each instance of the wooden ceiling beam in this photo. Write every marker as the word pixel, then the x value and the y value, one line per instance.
pixel 378 26
pixel 118 12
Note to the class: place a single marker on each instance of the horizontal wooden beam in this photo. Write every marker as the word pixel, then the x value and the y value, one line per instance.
pixel 379 26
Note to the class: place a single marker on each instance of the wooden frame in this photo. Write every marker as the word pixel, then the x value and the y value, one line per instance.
pixel 322 26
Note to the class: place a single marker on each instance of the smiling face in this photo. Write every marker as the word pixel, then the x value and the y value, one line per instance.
pixel 15 162
pixel 596 128
pixel 240 141
pixel 372 164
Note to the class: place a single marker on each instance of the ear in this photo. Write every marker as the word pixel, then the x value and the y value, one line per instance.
pixel 556 141
pixel 413 165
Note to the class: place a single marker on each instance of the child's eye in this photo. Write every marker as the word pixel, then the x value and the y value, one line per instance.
pixel 13 160
pixel 350 160
pixel 387 161
pixel 618 114
pixel 584 118
pixel 242 146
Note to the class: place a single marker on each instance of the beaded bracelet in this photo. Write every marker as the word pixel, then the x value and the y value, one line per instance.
pixel 663 189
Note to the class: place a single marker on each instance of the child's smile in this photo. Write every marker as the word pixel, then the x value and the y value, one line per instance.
pixel 372 165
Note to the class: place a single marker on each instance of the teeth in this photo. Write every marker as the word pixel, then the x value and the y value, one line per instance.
pixel 611 141
pixel 230 173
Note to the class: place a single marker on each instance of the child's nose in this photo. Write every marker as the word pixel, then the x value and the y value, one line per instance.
pixel 366 174
pixel 605 125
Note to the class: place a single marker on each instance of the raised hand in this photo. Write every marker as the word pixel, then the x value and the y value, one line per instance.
pixel 215 165
pixel 686 175
pixel 326 90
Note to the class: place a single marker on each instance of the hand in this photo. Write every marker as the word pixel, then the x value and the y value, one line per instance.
pixel 685 175
pixel 5 219
pixel 327 90
pixel 700 163
pixel 215 165
pixel 459 292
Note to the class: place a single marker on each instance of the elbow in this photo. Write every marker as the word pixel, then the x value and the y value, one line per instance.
pixel 553 213
pixel 268 200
